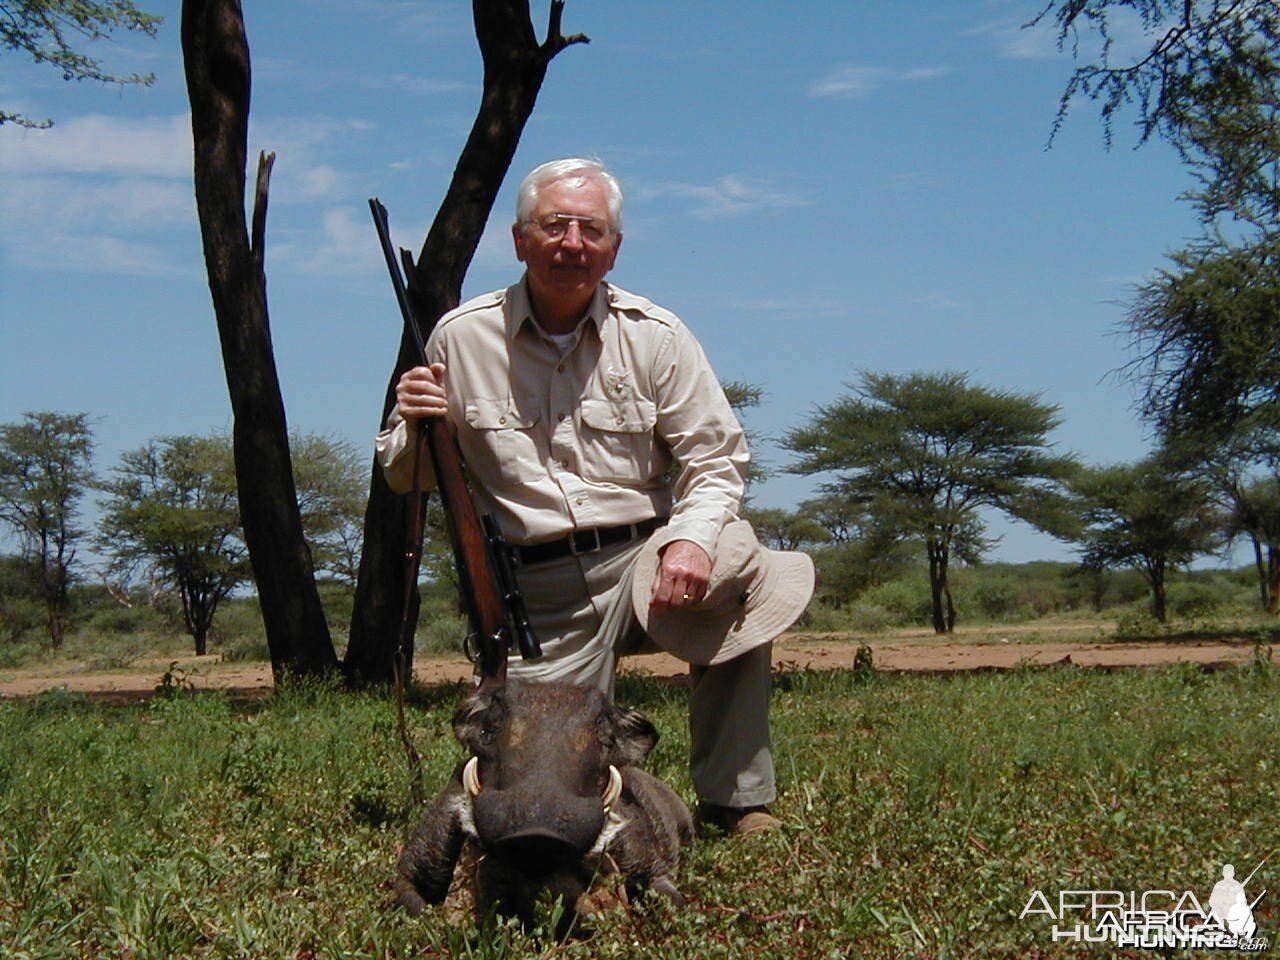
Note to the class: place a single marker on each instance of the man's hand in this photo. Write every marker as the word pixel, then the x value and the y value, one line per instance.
pixel 420 393
pixel 683 575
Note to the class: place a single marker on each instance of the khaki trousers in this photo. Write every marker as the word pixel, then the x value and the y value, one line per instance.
pixel 580 607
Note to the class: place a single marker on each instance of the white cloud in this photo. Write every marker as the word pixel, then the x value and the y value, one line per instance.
pixel 939 301
pixel 111 188
pixel 80 252
pixel 343 247
pixel 730 195
pixel 55 203
pixel 792 307
pixel 1018 40
pixel 848 82
pixel 914 182
pixel 148 147
pixel 851 82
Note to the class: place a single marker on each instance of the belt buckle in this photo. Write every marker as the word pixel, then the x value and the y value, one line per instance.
pixel 593 541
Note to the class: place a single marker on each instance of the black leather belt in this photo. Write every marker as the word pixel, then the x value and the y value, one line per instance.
pixel 585 541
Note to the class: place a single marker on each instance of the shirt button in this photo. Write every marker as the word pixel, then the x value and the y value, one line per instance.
pixel 621 421
pixel 564 464
pixel 502 420
pixel 580 501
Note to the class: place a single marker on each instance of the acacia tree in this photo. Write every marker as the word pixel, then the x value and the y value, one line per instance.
pixel 923 454
pixel 1206 332
pixel 1147 516
pixel 1254 512
pixel 40 28
pixel 1244 475
pixel 45 469
pixel 171 511
pixel 331 479
pixel 1208 66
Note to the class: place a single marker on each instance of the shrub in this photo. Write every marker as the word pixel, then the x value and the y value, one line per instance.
pixel 998 598
pixel 1139 622
pixel 1194 600
pixel 905 602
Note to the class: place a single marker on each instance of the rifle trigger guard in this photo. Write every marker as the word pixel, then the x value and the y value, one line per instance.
pixel 470 649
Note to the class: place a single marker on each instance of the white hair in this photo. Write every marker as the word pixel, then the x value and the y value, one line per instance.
pixel 575 171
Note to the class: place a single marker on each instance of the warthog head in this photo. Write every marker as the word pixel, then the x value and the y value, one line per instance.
pixel 544 772
pixel 549 792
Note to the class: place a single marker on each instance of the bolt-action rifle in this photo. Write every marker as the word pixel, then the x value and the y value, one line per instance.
pixel 486 579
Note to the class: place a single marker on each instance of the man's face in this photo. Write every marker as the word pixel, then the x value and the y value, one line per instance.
pixel 569 245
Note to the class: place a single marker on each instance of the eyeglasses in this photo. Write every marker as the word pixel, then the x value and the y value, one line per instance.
pixel 555 226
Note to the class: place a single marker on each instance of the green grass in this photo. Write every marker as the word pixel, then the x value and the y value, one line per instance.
pixel 921 814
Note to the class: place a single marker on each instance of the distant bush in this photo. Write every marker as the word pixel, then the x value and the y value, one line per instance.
pixel 1139 622
pixel 1000 598
pixel 870 617
pixel 904 602
pixel 119 619
pixel 249 650
pixel 822 616
pixel 1195 600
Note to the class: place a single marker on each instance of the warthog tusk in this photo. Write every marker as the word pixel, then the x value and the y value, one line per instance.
pixel 614 790
pixel 471 776
pixel 471 781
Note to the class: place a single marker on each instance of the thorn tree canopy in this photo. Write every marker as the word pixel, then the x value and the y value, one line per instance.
pixel 925 453
pixel 45 469
pixel 41 27
pixel 1147 516
pixel 172 510
pixel 1206 334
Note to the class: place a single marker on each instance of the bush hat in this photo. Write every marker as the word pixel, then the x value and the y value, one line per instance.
pixel 754 594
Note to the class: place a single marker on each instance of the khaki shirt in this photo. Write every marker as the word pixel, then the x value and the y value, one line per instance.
pixel 558 443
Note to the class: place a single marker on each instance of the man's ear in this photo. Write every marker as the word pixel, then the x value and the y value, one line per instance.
pixel 517 235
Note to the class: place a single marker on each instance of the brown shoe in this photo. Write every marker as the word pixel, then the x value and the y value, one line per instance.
pixel 736 821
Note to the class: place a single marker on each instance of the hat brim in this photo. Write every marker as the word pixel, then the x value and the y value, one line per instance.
pixel 708 635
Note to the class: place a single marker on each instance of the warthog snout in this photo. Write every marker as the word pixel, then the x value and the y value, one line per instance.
pixel 532 823
pixel 549 794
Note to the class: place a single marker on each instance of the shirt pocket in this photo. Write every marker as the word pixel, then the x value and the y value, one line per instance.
pixel 618 442
pixel 506 439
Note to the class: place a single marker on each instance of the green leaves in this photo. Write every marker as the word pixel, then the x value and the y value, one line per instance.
pixel 40 29
pixel 1147 516
pixel 172 512
pixel 921 454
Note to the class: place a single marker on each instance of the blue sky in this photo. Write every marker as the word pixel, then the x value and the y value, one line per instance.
pixel 817 188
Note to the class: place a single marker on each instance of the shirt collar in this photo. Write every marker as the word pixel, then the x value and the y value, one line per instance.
pixel 520 309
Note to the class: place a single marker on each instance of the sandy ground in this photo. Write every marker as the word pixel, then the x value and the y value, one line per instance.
pixel 1082 645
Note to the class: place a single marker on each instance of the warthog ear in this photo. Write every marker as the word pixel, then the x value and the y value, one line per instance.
pixel 477 719
pixel 633 736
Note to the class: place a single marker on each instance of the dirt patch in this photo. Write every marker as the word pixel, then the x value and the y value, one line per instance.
pixel 902 652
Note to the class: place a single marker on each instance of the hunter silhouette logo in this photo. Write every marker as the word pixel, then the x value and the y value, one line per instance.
pixel 1157 919
pixel 1229 903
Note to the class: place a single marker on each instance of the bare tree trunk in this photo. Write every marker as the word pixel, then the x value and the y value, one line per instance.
pixel 216 58
pixel 1272 602
pixel 943 610
pixel 1159 592
pixel 514 67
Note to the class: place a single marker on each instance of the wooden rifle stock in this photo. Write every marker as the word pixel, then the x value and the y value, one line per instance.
pixel 485 578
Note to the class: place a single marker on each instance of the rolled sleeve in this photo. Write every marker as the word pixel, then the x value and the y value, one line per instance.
pixel 393 447
pixel 706 440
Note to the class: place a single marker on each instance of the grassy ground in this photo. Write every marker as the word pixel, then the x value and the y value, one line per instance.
pixel 922 813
